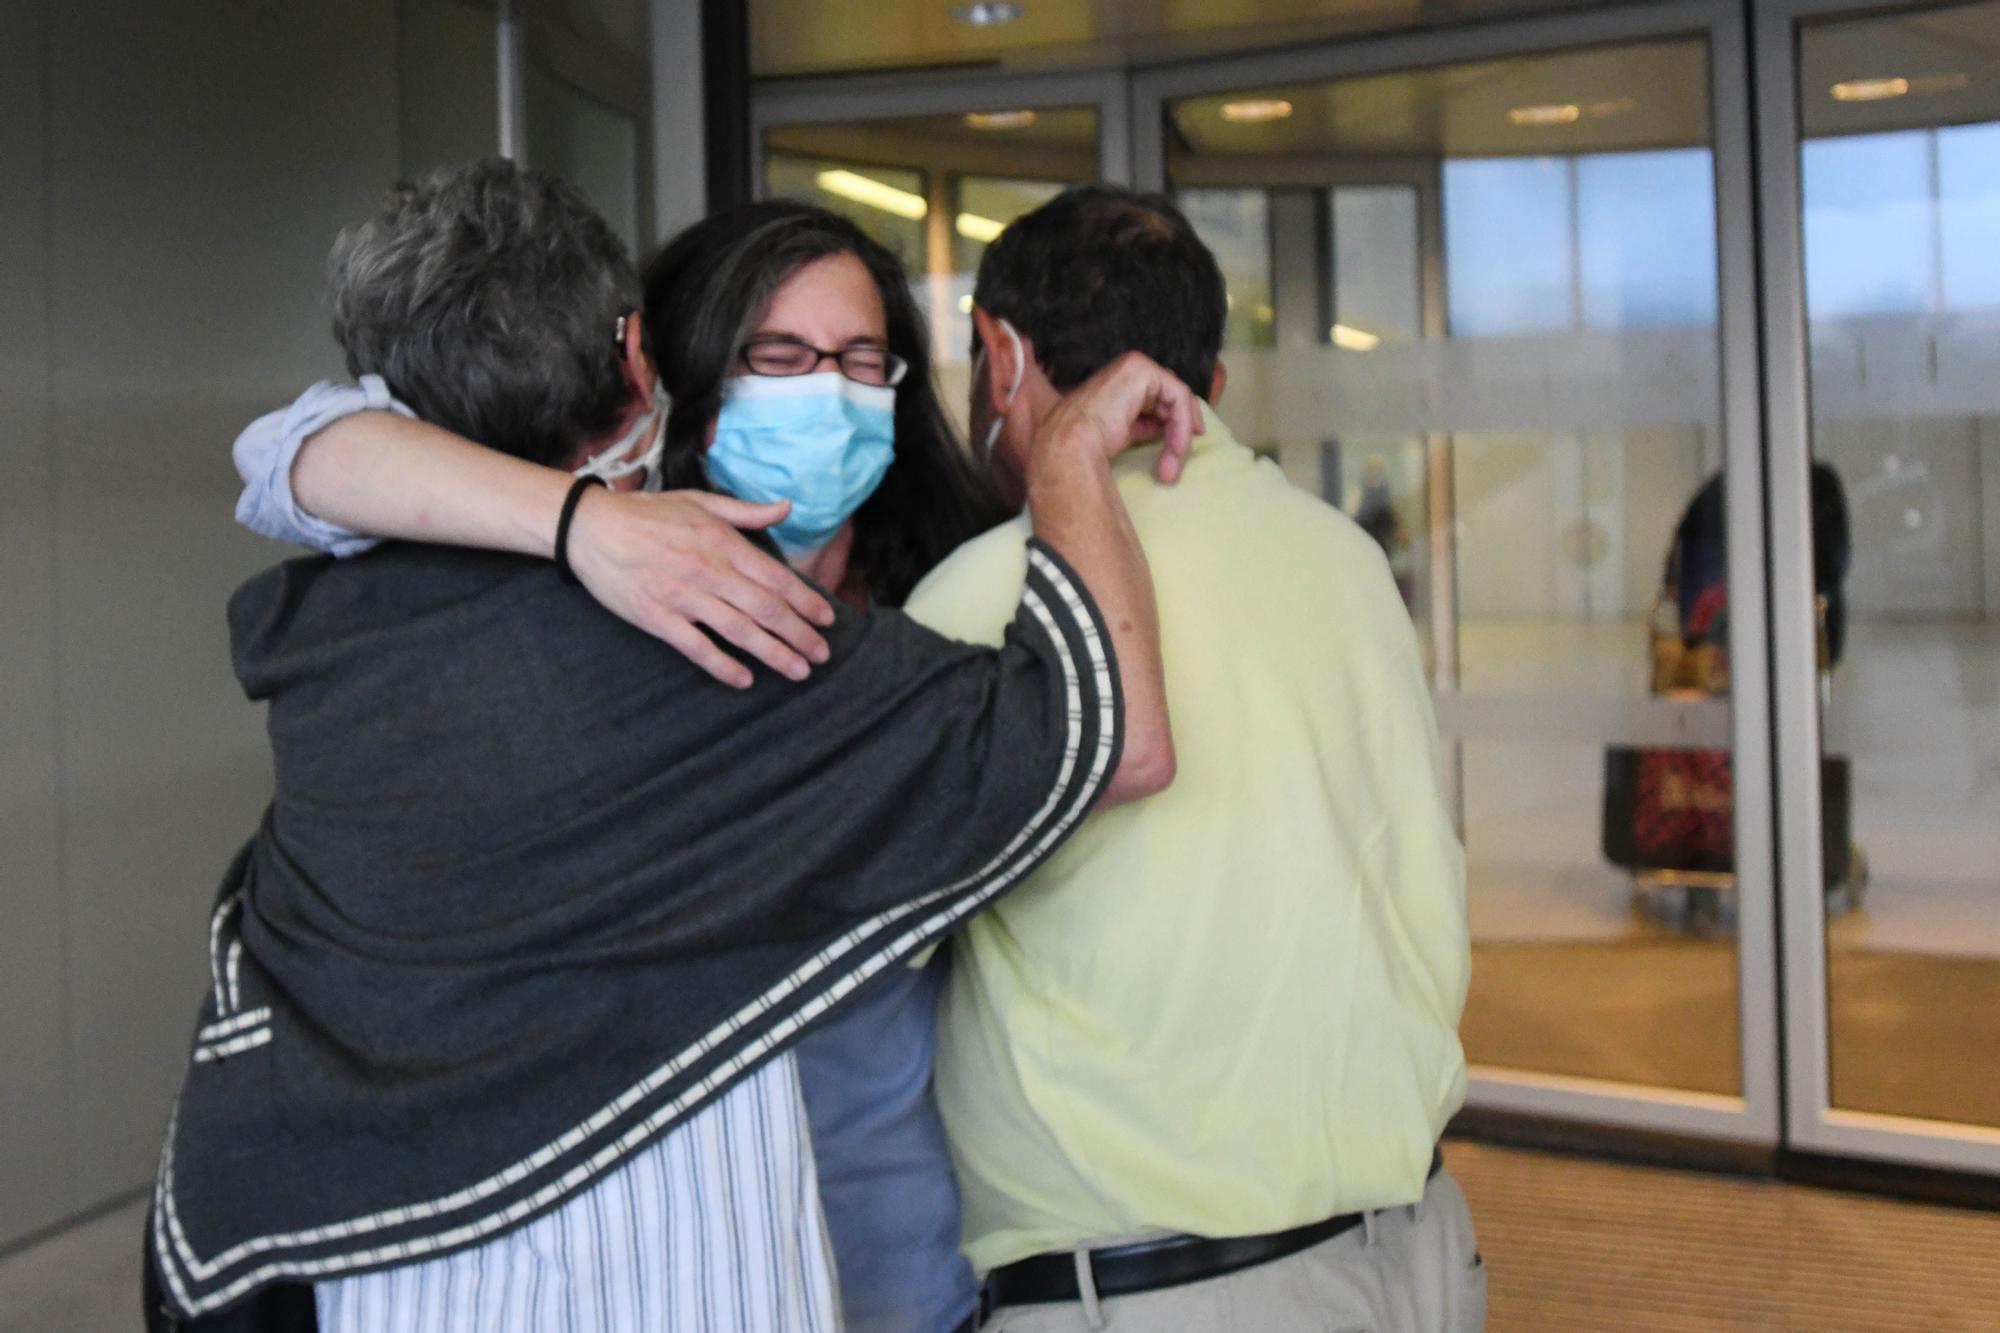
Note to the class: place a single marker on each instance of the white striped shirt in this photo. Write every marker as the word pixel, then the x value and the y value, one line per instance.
pixel 713 1228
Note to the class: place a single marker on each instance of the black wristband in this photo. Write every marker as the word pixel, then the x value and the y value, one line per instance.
pixel 576 490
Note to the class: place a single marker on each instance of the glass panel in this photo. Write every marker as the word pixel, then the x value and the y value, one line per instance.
pixel 1377 264
pixel 986 204
pixel 1901 189
pixel 1380 478
pixel 1237 226
pixel 936 190
pixel 1496 349
pixel 887 203
pixel 1509 264
pixel 1646 233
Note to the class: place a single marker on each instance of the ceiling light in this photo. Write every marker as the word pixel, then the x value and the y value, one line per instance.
pixel 1256 110
pixel 867 190
pixel 1552 113
pixel 1000 120
pixel 986 13
pixel 1870 90
pixel 976 228
pixel 1617 106
pixel 1353 339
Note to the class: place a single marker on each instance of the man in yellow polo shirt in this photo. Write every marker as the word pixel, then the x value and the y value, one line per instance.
pixel 1194 1072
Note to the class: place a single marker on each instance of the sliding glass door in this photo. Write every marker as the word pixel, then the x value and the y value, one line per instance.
pixel 1882 131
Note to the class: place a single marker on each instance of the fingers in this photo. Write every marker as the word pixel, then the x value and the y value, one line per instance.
pixel 752 638
pixel 1153 403
pixel 699 649
pixel 766 570
pixel 740 513
pixel 744 590
pixel 672 563
pixel 776 577
pixel 1182 421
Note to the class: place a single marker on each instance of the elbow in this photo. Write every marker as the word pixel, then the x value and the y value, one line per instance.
pixel 1156 766
pixel 1146 768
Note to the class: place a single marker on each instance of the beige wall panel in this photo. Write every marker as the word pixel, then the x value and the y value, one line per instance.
pixel 203 157
pixel 35 1176
pixel 447 82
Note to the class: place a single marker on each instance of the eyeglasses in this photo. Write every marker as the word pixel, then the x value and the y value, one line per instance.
pixel 789 356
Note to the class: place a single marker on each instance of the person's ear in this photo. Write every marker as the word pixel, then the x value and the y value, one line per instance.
pixel 637 365
pixel 1002 357
pixel 1217 383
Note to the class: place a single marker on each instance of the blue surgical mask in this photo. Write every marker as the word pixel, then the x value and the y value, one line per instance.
pixel 821 441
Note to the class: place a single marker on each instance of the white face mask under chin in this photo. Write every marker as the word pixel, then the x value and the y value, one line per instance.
pixel 1013 390
pixel 612 464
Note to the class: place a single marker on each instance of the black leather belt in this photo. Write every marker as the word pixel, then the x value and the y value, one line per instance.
pixel 1151 1265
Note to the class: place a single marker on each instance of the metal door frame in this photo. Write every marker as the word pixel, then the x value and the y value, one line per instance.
pixel 1754 1115
pixel 1813 1123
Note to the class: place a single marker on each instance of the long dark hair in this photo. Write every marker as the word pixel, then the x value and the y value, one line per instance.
pixel 706 292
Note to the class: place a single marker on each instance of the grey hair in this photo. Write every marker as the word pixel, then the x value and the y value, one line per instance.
pixel 488 298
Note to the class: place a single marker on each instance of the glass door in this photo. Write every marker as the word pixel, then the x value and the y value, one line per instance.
pixel 1475 284
pixel 1883 285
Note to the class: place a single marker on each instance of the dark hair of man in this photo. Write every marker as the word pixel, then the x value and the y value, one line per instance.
pixel 1097 272
pixel 706 294
pixel 488 298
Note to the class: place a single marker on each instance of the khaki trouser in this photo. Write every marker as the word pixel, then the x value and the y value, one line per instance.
pixel 1409 1270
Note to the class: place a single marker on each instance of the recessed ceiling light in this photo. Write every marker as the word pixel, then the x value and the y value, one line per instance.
pixel 875 194
pixel 973 227
pixel 1256 109
pixel 1551 113
pixel 999 120
pixel 1351 339
pixel 1870 90
pixel 987 13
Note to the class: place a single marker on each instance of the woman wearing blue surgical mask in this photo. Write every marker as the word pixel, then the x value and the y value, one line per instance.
pixel 798 365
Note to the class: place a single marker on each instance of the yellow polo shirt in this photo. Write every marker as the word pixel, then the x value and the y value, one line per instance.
pixel 1233 1007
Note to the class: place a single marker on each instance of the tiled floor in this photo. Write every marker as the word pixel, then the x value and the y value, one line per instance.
pixel 1603 1248
pixel 1571 1244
